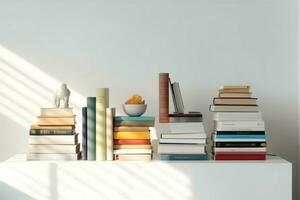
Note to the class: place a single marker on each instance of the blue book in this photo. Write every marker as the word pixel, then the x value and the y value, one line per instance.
pixel 128 118
pixel 183 157
pixel 235 136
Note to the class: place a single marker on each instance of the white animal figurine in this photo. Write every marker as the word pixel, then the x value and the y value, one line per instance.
pixel 63 93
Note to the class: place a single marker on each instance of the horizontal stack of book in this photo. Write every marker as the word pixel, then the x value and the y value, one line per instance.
pixel 54 137
pixel 183 138
pixel 239 131
pixel 132 138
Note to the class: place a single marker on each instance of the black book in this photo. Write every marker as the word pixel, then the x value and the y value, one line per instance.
pixel 84 133
pixel 240 132
pixel 240 144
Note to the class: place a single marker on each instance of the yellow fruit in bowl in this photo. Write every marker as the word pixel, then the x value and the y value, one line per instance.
pixel 135 99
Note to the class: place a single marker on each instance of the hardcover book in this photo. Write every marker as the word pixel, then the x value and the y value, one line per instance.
pixel 84 133
pixel 183 157
pixel 57 156
pixel 233 108
pixel 54 148
pixel 126 157
pixel 132 135
pixel 131 141
pixel 91 128
pixel 53 139
pixel 181 149
pixel 57 112
pixel 41 120
pixel 163 98
pixel 234 101
pixel 110 113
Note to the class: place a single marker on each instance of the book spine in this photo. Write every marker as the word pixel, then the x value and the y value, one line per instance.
pixel 101 105
pixel 50 132
pixel 240 132
pixel 131 141
pixel 84 133
pixel 240 157
pixel 240 144
pixel 110 113
pixel 91 128
pixel 183 157
pixel 164 98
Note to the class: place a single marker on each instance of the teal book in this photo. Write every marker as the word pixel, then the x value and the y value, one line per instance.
pixel 183 157
pixel 91 128
pixel 128 118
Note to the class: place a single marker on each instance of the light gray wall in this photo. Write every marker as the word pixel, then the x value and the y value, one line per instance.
pixel 123 45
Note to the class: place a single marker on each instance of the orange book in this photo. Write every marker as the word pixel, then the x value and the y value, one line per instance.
pixel 130 146
pixel 56 120
pixel 132 135
pixel 131 142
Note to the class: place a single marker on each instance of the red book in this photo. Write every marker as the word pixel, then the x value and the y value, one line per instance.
pixel 240 156
pixel 131 141
pixel 164 98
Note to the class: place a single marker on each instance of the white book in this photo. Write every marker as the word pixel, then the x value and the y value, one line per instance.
pixel 243 149
pixel 48 156
pixel 239 125
pixel 181 149
pixel 183 141
pixel 188 127
pixel 50 148
pixel 110 113
pixel 239 140
pixel 55 112
pixel 133 151
pixel 53 139
pixel 220 108
pixel 237 116
pixel 185 135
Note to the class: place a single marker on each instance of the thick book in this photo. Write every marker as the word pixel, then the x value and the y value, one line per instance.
pixel 131 142
pixel 234 101
pixel 110 113
pixel 53 148
pixel 188 127
pixel 102 102
pixel 132 146
pixel 133 151
pixel 240 132
pixel 240 144
pixel 41 120
pixel 164 97
pixel 236 95
pixel 49 156
pixel 43 127
pixel 53 139
pixel 131 129
pixel 132 135
pixel 248 156
pixel 178 97
pixel 182 141
pixel 57 112
pixel 239 125
pixel 184 136
pixel 181 149
pixel 233 108
pixel 125 157
pixel 52 131
pixel 239 149
pixel 183 157
pixel 237 116
pixel 91 128
pixel 84 133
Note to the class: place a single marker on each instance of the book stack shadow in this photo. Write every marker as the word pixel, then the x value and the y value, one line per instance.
pixel 132 139
pixel 53 137
pixel 239 130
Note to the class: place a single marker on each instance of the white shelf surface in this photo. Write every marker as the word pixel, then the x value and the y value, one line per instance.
pixel 182 180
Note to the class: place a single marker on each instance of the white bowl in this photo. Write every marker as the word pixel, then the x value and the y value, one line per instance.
pixel 134 110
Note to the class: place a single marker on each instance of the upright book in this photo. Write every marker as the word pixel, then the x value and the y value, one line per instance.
pixel 91 128
pixel 163 97
pixel 84 133
pixel 110 113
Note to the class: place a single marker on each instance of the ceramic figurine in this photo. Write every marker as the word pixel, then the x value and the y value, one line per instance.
pixel 63 93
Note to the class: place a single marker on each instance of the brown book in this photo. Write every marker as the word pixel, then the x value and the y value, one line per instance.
pixel 236 95
pixel 191 114
pixel 131 129
pixel 234 90
pixel 235 101
pixel 164 97
pixel 131 146
pixel 45 127
pixel 41 120
pixel 234 87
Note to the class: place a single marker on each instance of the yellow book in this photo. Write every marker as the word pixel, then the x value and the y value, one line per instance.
pixel 132 135
pixel 124 146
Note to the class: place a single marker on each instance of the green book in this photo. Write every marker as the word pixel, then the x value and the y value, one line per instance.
pixel 91 128
pixel 102 100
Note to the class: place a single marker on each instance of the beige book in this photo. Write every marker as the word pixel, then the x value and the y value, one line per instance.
pixel 70 121
pixel 110 113
pixel 235 101
pixel 130 129
pixel 146 146
pixel 133 157
pixel 57 112
pixel 55 156
pixel 236 95
pixel 36 126
pixel 53 139
pixel 53 148
pixel 222 87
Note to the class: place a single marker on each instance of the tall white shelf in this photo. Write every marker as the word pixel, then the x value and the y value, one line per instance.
pixel 155 180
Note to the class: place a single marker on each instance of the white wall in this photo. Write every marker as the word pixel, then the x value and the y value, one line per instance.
pixel 123 45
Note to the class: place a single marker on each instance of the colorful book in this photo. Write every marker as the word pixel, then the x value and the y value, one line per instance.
pixel 163 97
pixel 240 156
pixel 57 112
pixel 41 120
pixel 132 135
pixel 53 139
pixel 131 142
pixel 56 156
pixel 53 148
pixel 126 157
pixel 110 113
pixel 91 128
pixel 131 129
pixel 183 157
pixel 133 146
pixel 84 133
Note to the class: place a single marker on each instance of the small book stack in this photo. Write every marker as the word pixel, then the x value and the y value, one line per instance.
pixel 132 138
pixel 183 138
pixel 239 131
pixel 54 137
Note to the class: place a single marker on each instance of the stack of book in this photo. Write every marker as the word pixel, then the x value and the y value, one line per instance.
pixel 239 131
pixel 132 138
pixel 183 138
pixel 54 137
